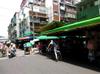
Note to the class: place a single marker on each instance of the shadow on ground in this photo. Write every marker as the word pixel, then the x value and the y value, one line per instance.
pixel 78 61
pixel 83 63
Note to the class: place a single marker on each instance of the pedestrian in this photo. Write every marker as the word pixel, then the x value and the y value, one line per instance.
pixel 1 46
pixel 27 49
pixel 53 48
pixel 91 48
pixel 40 47
pixel 5 49
pixel 1 49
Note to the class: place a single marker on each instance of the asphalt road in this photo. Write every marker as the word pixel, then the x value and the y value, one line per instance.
pixel 37 64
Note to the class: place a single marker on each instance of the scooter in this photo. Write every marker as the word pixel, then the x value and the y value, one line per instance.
pixel 12 54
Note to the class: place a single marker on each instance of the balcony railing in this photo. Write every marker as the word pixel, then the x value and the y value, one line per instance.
pixel 39 9
pixel 43 22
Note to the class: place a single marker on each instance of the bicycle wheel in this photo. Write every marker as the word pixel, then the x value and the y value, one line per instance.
pixel 59 56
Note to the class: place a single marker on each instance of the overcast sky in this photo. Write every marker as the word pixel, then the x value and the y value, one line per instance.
pixel 7 10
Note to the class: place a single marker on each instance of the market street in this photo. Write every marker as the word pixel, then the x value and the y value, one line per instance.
pixel 38 64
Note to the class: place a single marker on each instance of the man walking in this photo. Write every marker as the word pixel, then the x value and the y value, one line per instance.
pixel 53 47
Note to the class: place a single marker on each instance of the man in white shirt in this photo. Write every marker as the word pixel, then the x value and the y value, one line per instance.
pixel 54 48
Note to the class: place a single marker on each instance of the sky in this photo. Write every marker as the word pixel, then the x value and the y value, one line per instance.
pixel 7 10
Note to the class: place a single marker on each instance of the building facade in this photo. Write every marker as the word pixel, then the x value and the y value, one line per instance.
pixel 67 11
pixel 62 10
pixel 88 9
pixel 33 15
pixel 13 28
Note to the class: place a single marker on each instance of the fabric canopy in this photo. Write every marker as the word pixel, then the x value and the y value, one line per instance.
pixel 81 24
pixel 33 41
pixel 47 37
pixel 28 44
pixel 24 38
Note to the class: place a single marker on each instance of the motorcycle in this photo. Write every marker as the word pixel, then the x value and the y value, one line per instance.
pixel 12 54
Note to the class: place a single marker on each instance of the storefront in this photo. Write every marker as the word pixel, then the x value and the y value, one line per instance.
pixel 78 36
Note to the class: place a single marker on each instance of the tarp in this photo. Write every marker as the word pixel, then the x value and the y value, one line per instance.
pixel 28 44
pixel 24 38
pixel 33 41
pixel 47 37
pixel 81 24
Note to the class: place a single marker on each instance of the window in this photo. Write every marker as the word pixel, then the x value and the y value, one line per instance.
pixel 43 0
pixel 14 24
pixel 31 28
pixel 62 13
pixel 69 0
pixel 80 9
pixel 55 13
pixel 55 0
pixel 31 24
pixel 96 3
pixel 71 15
pixel 99 11
pixel 91 4
pixel 62 0
pixel 30 17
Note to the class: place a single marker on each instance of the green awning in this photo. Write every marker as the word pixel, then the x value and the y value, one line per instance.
pixel 47 37
pixel 52 25
pixel 81 24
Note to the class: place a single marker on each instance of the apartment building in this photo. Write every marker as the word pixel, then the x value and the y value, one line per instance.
pixel 62 10
pixel 13 28
pixel 67 11
pixel 33 15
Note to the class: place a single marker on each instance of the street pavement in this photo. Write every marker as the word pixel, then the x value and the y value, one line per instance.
pixel 39 64
pixel 19 52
